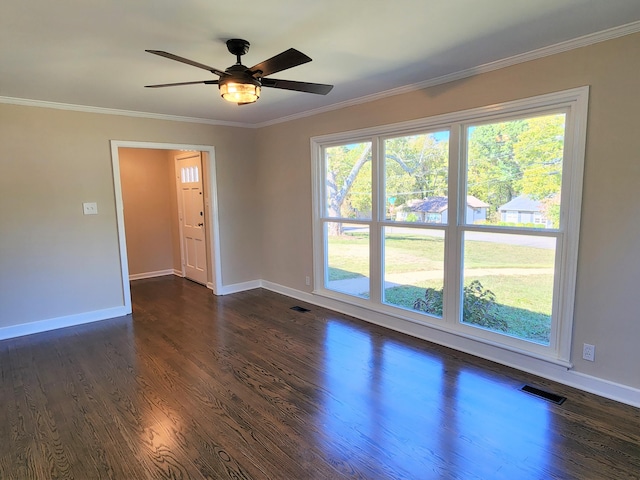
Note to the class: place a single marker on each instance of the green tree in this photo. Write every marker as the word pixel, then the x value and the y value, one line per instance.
pixel 358 199
pixel 344 164
pixel 539 153
pixel 416 168
pixel 492 169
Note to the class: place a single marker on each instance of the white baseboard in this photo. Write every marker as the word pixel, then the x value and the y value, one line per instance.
pixel 239 287
pixel 61 322
pixel 598 386
pixel 158 273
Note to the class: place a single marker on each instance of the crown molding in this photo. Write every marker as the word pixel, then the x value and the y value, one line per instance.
pixel 561 47
pixel 126 113
pixel 568 45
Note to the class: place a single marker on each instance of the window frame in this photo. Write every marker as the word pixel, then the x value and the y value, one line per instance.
pixel 574 103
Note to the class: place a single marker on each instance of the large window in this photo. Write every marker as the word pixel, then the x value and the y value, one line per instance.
pixel 467 222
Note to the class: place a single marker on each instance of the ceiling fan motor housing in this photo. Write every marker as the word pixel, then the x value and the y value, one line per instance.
pixel 238 46
pixel 239 74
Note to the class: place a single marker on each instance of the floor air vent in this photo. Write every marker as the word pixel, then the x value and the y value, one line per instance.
pixel 300 309
pixel 551 397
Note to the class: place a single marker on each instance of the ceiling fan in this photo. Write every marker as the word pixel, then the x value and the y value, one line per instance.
pixel 242 85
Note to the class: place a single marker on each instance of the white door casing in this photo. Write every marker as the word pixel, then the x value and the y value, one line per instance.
pixel 209 158
pixel 191 216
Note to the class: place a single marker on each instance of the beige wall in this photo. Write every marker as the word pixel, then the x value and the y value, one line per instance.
pixel 148 186
pixel 57 262
pixel 607 302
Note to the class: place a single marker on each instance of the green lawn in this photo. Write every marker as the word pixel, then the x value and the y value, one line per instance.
pixel 523 301
pixel 348 256
pixel 349 253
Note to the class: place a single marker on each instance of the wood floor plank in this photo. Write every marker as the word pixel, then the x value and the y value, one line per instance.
pixel 242 387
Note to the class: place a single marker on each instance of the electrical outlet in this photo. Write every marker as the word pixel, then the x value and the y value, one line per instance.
pixel 307 280
pixel 90 208
pixel 589 352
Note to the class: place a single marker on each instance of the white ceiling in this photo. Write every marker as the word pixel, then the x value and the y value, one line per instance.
pixel 91 52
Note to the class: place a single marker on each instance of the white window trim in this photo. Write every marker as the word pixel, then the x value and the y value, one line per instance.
pixel 575 103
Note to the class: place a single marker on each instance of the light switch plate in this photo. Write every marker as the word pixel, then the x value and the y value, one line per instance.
pixel 90 208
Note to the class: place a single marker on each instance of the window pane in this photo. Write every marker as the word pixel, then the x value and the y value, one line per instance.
pixel 347 268
pixel 348 181
pixel 414 269
pixel 514 172
pixel 508 284
pixel 416 176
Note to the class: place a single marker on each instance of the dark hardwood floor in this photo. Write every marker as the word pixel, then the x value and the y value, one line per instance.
pixel 243 387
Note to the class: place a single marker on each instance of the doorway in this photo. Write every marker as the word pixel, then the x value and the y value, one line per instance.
pixel 209 247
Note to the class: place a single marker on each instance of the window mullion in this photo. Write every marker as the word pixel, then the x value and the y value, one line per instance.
pixel 453 267
pixel 376 245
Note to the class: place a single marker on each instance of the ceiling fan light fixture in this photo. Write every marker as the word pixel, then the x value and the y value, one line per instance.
pixel 240 92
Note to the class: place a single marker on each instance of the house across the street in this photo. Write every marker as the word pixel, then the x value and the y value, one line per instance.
pixel 524 209
pixel 435 210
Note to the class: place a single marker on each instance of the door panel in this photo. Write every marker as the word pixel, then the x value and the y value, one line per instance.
pixel 191 206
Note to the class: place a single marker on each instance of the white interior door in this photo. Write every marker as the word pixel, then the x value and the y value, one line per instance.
pixel 191 211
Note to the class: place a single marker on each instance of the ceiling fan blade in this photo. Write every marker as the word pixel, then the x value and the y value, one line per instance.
pixel 171 56
pixel 319 88
pixel 287 59
pixel 207 82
